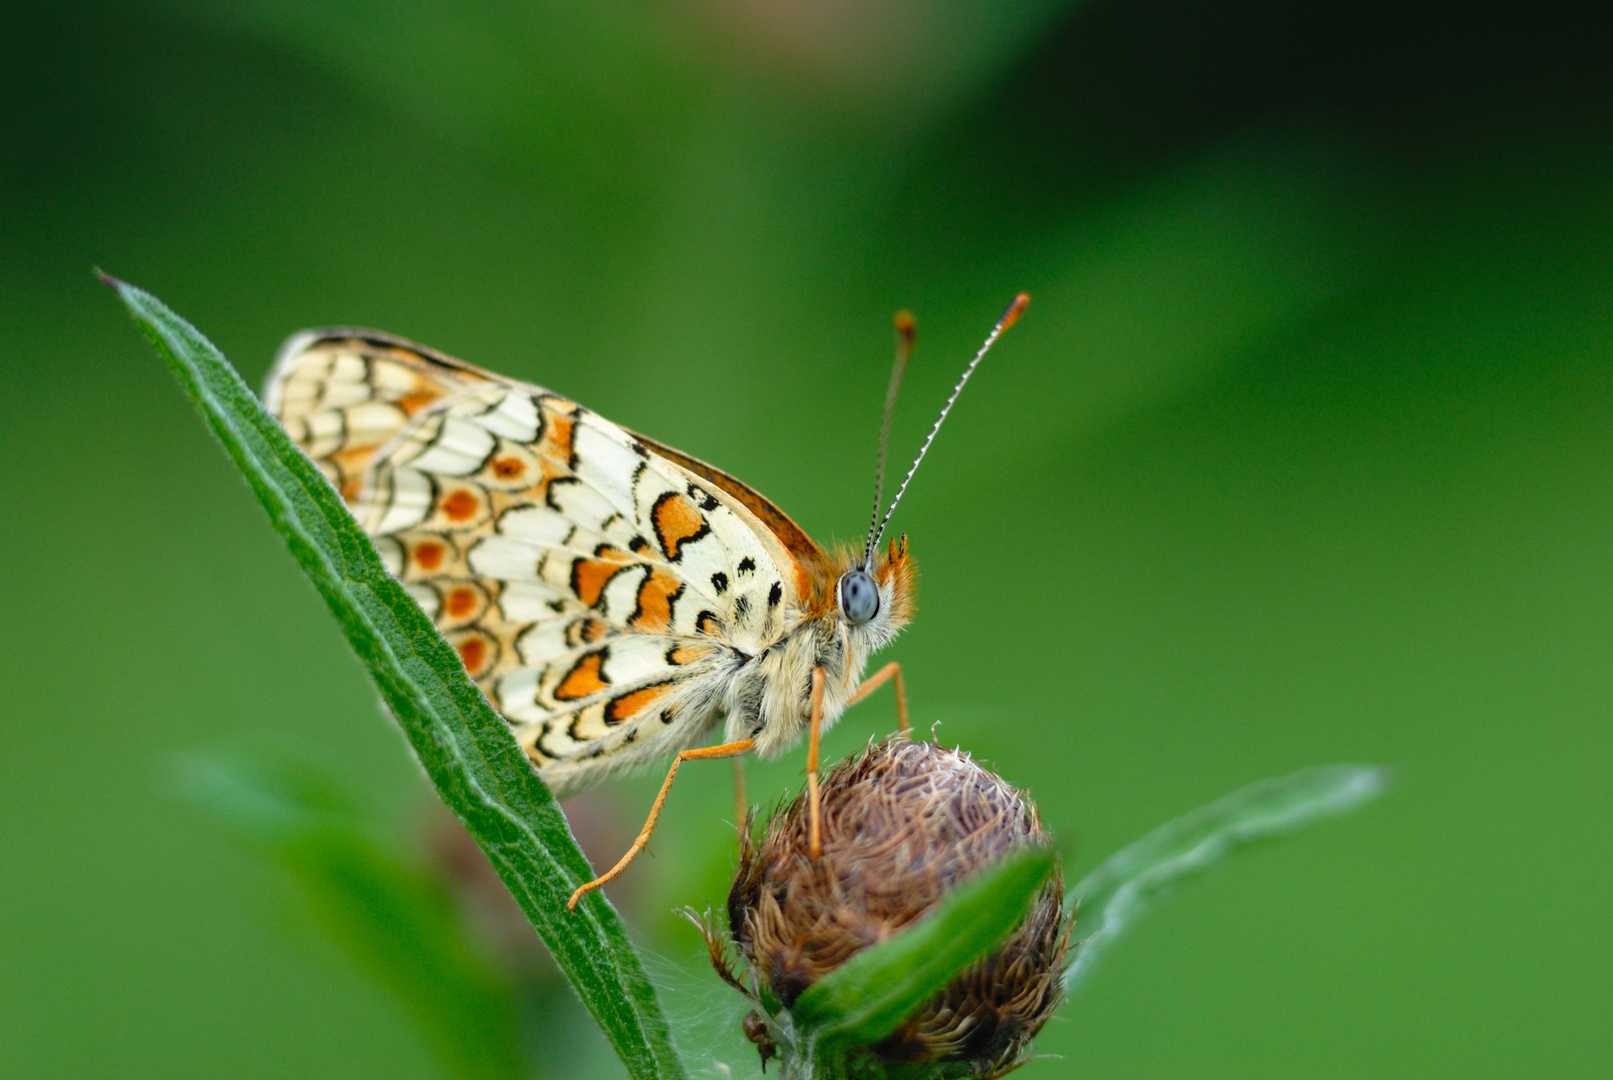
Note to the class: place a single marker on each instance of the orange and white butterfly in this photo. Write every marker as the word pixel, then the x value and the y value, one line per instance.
pixel 615 599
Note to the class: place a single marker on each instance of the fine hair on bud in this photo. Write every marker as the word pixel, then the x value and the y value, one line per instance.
pixel 902 823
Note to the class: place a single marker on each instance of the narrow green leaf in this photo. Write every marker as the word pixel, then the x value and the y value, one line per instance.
pixel 394 919
pixel 1125 886
pixel 464 746
pixel 865 999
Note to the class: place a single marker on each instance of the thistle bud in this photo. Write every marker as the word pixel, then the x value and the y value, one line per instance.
pixel 901 824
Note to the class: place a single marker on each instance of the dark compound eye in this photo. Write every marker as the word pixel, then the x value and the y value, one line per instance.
pixel 859 597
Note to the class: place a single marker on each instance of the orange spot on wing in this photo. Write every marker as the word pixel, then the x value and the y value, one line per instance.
pixel 630 705
pixel 460 505
pixel 508 468
pixel 655 602
pixel 594 631
pixel 413 403
pixel 461 602
pixel 473 653
pixel 687 654
pixel 428 556
pixel 590 576
pixel 558 436
pixel 676 522
pixel 583 679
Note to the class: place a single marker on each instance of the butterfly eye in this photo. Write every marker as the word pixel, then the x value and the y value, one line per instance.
pixel 859 597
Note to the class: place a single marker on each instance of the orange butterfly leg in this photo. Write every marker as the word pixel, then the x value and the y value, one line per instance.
pixel 733 749
pixel 814 832
pixel 890 671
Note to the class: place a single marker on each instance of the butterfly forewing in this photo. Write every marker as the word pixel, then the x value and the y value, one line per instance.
pixel 600 593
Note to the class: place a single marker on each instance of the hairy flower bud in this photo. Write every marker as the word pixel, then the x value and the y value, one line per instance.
pixel 901 824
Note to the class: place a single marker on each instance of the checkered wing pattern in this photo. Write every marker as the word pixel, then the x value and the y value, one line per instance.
pixel 600 591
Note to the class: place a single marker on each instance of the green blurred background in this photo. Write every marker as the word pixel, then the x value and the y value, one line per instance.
pixel 1302 453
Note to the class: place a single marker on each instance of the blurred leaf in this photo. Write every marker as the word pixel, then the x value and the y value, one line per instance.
pixel 1124 887
pixel 465 747
pixel 397 921
pixel 865 999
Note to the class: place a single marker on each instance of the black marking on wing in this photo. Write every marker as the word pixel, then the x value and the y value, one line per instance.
pixel 542 422
pixel 577 415
pixel 747 565
pixel 638 474
pixel 719 581
pixel 775 594
pixel 703 498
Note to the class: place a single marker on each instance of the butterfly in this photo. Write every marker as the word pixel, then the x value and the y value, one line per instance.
pixel 615 599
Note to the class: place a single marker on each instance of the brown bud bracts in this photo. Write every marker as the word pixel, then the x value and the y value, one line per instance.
pixel 902 824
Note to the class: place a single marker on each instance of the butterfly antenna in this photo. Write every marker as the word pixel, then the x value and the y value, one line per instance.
pixel 1010 317
pixel 905 333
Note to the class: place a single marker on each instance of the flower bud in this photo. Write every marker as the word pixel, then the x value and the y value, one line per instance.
pixel 901 824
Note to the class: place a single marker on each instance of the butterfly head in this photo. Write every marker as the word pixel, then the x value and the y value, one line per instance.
pixel 874 600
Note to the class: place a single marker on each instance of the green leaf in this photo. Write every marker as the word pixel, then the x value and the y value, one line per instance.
pixel 394 919
pixel 866 998
pixel 1124 887
pixel 466 748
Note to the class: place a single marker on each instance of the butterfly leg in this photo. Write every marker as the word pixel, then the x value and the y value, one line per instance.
pixel 733 749
pixel 814 832
pixel 890 671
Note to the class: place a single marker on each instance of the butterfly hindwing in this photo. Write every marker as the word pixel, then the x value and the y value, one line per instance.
pixel 597 591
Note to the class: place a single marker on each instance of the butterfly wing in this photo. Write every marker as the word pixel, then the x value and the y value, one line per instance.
pixel 601 589
pixel 343 393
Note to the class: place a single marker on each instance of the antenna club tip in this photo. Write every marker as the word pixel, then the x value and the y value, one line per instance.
pixel 906 328
pixel 1015 310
